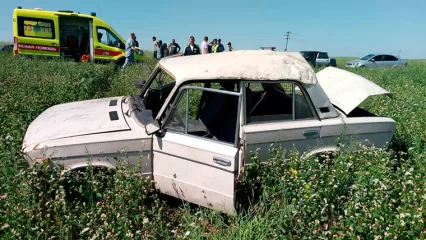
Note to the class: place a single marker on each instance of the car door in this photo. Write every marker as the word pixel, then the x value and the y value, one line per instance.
pixel 290 124
pixel 195 154
pixel 376 61
pixel 107 44
pixel 322 59
pixel 38 35
pixel 389 61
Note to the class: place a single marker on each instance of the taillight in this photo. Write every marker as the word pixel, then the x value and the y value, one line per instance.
pixel 15 46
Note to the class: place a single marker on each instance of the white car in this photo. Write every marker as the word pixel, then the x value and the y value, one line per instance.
pixel 197 119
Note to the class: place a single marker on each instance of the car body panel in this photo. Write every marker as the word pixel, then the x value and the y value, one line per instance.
pixel 77 118
pixel 184 167
pixel 269 65
pixel 347 90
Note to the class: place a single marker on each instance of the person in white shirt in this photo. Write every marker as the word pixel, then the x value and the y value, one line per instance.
pixel 205 45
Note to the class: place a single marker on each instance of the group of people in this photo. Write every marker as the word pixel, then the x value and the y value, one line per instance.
pixel 163 50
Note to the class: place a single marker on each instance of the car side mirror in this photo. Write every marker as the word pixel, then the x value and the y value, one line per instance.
pixel 139 83
pixel 152 127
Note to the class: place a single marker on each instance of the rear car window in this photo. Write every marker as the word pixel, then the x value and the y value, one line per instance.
pixel 322 56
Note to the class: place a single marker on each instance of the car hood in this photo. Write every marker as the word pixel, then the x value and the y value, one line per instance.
pixel 347 90
pixel 356 61
pixel 76 119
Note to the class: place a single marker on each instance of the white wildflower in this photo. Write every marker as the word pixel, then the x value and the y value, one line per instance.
pixel 145 220
pixel 187 233
pixel 85 230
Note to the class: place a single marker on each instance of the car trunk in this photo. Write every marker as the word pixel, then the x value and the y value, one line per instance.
pixel 347 90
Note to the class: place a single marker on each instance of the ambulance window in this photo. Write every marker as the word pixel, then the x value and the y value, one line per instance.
pixel 108 38
pixel 36 27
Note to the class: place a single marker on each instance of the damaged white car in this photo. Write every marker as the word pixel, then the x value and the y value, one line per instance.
pixel 197 119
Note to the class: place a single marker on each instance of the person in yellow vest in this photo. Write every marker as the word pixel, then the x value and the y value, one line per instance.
pixel 215 46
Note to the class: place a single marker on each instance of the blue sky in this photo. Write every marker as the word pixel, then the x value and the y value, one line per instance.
pixel 343 28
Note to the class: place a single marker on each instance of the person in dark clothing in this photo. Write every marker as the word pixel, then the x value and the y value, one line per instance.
pixel 220 48
pixel 174 48
pixel 230 47
pixel 136 42
pixel 191 48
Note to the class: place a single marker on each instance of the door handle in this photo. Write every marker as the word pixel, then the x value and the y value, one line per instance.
pixel 54 44
pixel 221 161
pixel 311 133
pixel 99 47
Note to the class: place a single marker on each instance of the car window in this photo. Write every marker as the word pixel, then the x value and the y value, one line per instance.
pixel 262 99
pixel 390 58
pixel 367 57
pixel 107 37
pixel 36 27
pixel 206 113
pixel 159 88
pixel 322 55
pixel 378 58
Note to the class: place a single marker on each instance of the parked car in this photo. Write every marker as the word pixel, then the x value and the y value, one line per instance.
pixel 318 59
pixel 377 61
pixel 197 119
pixel 6 48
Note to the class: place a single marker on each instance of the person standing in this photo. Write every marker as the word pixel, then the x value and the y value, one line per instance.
pixel 154 54
pixel 205 45
pixel 214 46
pixel 136 42
pixel 159 52
pixel 210 47
pixel 174 48
pixel 130 50
pixel 220 48
pixel 164 50
pixel 191 48
pixel 230 47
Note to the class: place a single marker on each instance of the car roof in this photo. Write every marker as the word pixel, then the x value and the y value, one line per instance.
pixel 240 65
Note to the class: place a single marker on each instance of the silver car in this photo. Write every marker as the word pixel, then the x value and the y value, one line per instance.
pixel 197 119
pixel 377 61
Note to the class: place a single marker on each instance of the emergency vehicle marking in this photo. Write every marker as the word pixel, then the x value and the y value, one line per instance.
pixel 38 47
pixel 107 53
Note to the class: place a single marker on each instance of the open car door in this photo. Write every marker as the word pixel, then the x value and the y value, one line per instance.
pixel 195 154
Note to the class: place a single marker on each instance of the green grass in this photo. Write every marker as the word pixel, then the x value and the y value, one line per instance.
pixel 2 43
pixel 360 193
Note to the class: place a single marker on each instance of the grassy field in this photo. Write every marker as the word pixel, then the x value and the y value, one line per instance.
pixel 359 194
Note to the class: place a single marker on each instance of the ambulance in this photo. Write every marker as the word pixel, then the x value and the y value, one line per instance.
pixel 67 34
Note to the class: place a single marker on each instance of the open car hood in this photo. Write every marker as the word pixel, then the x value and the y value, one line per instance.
pixel 345 89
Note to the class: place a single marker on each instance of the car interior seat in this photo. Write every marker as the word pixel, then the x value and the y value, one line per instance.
pixel 219 113
pixel 274 102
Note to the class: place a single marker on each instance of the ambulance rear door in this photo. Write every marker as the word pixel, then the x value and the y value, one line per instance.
pixel 37 34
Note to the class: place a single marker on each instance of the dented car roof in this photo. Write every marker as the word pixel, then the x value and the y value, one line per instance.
pixel 242 65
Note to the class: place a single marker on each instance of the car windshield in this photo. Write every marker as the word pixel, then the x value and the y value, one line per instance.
pixel 367 57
